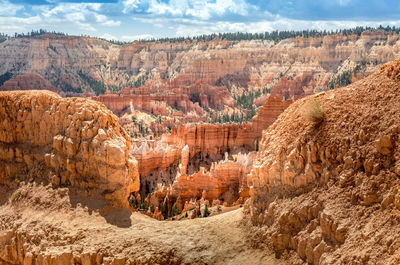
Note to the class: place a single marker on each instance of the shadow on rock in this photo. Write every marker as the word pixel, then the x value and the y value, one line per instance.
pixel 118 216
pixel 115 216
pixel 5 194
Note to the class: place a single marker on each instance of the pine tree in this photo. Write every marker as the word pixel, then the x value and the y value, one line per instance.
pixel 175 210
pixel 206 212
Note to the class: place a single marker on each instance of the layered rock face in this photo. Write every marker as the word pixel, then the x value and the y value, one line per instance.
pixel 212 71
pixel 328 187
pixel 290 69
pixel 43 53
pixel 191 158
pixel 226 180
pixel 28 81
pixel 227 137
pixel 186 99
pixel 69 141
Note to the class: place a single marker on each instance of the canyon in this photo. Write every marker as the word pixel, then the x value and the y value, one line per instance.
pixel 209 73
pixel 209 161
pixel 107 151
pixel 323 190
pixel 206 80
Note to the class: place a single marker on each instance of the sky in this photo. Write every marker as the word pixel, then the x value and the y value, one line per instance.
pixel 128 20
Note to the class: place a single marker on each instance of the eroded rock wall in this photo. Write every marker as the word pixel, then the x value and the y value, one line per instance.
pixel 248 65
pixel 70 141
pixel 319 186
pixel 29 81
pixel 226 180
pixel 192 161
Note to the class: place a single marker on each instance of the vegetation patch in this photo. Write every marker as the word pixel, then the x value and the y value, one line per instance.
pixel 313 111
pixel 97 86
pixel 345 78
pixel 141 80
pixel 5 77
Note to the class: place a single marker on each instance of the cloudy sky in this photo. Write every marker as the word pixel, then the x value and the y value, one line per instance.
pixel 135 19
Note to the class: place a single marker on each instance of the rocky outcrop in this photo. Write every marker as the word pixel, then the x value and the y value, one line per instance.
pixel 69 141
pixel 28 81
pixel 227 137
pixel 226 180
pixel 155 155
pixel 155 100
pixel 326 187
pixel 267 114
pixel 207 139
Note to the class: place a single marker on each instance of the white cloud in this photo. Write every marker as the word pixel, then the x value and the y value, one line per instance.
pixel 279 23
pixel 103 20
pixel 200 9
pixel 111 23
pixel 9 9
pixel 84 15
pixel 17 24
pixel 108 36
pixel 137 37
pixel 76 16
pixel 79 16
pixel 130 5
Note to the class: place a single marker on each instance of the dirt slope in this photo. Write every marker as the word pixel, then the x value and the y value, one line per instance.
pixel 40 224
pixel 328 192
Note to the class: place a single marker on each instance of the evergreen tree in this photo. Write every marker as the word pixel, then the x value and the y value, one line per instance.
pixel 206 211
pixel 175 210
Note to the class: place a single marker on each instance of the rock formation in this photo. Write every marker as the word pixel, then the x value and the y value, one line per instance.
pixel 39 225
pixel 29 81
pixel 208 73
pixel 327 188
pixel 226 179
pixel 69 141
pixel 155 100
pixel 191 162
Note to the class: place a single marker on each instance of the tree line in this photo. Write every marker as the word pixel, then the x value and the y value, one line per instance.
pixel 275 36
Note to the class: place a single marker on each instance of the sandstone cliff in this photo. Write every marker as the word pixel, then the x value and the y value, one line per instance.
pixel 29 81
pixel 68 141
pixel 209 161
pixel 209 73
pixel 226 181
pixel 327 188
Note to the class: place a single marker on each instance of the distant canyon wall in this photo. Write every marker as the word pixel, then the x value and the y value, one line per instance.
pixel 311 62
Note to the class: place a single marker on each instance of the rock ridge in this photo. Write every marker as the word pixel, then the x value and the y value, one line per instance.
pixel 318 188
pixel 76 142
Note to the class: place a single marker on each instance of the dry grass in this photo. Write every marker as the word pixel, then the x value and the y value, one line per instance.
pixel 313 111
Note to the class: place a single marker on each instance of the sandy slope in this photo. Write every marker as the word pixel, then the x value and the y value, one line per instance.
pixel 45 219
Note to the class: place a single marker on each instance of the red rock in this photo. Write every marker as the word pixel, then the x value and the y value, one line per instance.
pixel 29 81
pixel 73 138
